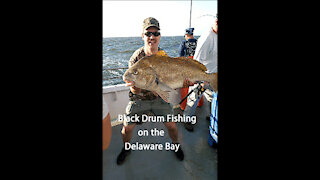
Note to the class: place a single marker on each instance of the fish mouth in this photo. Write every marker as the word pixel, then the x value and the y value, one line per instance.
pixel 127 80
pixel 125 76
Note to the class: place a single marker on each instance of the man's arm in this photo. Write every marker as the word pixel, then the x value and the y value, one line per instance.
pixel 203 49
pixel 133 89
pixel 181 49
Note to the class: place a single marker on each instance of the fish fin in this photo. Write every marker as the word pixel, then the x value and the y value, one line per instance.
pixel 161 89
pixel 164 95
pixel 163 55
pixel 194 62
pixel 171 96
pixel 213 81
pixel 175 97
pixel 164 87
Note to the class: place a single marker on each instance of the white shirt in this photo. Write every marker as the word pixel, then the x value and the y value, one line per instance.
pixel 207 51
pixel 105 108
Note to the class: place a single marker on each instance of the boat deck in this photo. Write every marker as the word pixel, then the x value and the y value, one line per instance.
pixel 200 161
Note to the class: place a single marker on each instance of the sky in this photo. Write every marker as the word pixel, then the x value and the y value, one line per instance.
pixel 124 18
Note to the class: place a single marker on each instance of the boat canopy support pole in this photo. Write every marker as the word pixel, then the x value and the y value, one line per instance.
pixel 190 15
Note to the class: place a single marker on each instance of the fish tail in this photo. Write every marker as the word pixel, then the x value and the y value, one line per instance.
pixel 213 81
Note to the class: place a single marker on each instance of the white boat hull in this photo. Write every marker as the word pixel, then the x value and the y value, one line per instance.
pixel 117 99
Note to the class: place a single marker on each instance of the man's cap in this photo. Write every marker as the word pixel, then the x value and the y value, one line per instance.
pixel 189 31
pixel 149 22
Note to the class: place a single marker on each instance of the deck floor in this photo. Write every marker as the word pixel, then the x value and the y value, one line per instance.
pixel 200 161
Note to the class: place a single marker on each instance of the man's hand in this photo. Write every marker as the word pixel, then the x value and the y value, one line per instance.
pixel 129 83
pixel 187 83
pixel 133 89
pixel 205 85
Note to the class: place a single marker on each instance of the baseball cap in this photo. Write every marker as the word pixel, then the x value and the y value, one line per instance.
pixel 149 22
pixel 189 31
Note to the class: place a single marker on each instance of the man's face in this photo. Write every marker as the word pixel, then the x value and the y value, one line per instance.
pixel 152 41
pixel 188 36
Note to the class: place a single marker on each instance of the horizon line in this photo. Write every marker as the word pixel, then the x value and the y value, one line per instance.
pixel 140 36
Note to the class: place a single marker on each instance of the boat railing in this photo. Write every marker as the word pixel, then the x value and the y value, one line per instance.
pixel 116 96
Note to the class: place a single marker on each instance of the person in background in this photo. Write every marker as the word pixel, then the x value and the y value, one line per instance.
pixel 188 46
pixel 142 101
pixel 187 49
pixel 207 48
pixel 106 126
pixel 207 53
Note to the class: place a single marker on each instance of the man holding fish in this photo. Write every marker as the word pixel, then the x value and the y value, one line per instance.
pixel 142 100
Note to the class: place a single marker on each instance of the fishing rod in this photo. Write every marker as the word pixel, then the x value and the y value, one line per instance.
pixel 200 89
pixel 190 14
